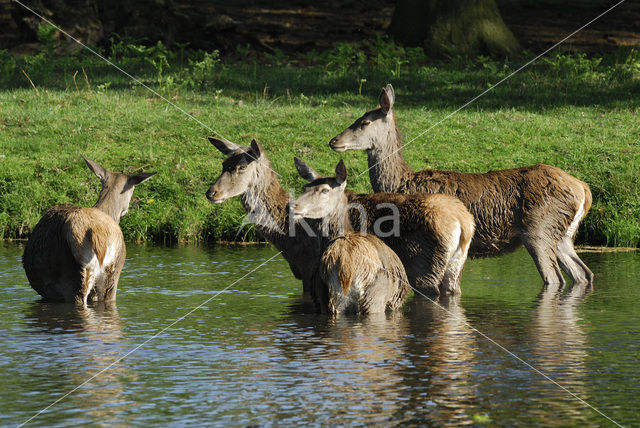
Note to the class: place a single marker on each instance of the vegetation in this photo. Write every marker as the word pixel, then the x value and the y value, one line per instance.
pixel 572 111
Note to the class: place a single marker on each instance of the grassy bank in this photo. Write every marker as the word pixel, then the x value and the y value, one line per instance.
pixel 576 113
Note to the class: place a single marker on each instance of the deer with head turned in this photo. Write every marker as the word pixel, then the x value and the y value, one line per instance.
pixel 432 237
pixel 537 206
pixel 363 275
pixel 247 172
pixel 76 254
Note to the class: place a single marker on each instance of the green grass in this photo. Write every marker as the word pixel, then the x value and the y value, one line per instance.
pixel 580 116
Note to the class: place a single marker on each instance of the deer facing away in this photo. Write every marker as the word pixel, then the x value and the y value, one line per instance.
pixel 76 254
pixel 537 206
pixel 433 236
pixel 363 275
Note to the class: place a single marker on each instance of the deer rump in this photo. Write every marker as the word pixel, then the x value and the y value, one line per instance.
pixel 71 245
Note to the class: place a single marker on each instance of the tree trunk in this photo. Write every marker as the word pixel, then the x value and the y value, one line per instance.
pixel 461 26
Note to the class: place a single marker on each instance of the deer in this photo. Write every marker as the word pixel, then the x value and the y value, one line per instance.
pixel 435 230
pixel 247 172
pixel 362 273
pixel 76 254
pixel 433 238
pixel 538 206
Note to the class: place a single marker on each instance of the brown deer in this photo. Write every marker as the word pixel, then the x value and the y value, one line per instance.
pixel 435 230
pixel 433 236
pixel 537 206
pixel 247 172
pixel 76 254
pixel 363 274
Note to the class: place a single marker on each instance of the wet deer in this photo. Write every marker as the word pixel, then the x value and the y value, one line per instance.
pixel 537 206
pixel 76 254
pixel 432 237
pixel 247 172
pixel 362 273
pixel 435 230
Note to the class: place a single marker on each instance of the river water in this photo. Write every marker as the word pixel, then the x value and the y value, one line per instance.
pixel 507 353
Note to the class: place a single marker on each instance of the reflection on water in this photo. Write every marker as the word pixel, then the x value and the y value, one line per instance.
pixel 250 356
pixel 559 346
pixel 98 333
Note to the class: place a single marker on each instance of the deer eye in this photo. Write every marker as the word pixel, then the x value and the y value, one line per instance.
pixel 364 123
pixel 242 168
pixel 324 191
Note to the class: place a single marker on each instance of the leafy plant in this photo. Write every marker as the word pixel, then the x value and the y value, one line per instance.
pixel 202 69
pixel 578 66
pixel 46 34
pixel 344 58
pixel 278 57
pixel 7 65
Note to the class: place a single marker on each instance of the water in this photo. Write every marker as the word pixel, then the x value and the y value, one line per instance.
pixel 248 356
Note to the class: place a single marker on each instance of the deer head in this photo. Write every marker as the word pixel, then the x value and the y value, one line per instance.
pixel 117 189
pixel 239 169
pixel 367 129
pixel 322 195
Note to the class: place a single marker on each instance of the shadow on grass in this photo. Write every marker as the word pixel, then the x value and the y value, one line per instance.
pixel 535 89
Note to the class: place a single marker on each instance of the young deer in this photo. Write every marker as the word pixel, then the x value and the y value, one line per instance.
pixel 432 237
pixel 363 275
pixel 76 254
pixel 539 206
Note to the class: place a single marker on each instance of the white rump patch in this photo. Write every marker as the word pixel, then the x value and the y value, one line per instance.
pixel 456 250
pixel 110 256
pixel 573 227
pixel 90 260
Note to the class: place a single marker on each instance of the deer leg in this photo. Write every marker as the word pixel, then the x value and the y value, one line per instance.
pixel 111 277
pixel 545 258
pixel 572 264
pixel 451 280
pixel 432 273
pixel 424 270
pixel 85 287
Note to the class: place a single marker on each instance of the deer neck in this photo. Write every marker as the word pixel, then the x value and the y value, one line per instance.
pixel 265 202
pixel 108 204
pixel 336 224
pixel 388 170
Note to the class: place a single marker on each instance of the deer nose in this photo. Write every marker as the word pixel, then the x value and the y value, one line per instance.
pixel 335 145
pixel 291 206
pixel 210 194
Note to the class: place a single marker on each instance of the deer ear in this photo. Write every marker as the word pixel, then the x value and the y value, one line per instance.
pixel 226 147
pixel 257 149
pixel 387 98
pixel 305 170
pixel 341 172
pixel 99 171
pixel 136 179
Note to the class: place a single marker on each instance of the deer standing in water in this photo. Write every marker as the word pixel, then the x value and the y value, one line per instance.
pixel 363 274
pixel 247 172
pixel 435 230
pixel 76 254
pixel 537 206
pixel 433 236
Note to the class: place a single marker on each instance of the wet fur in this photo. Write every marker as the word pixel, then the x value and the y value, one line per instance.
pixel 76 254
pixel 432 229
pixel 58 255
pixel 363 274
pixel 532 206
